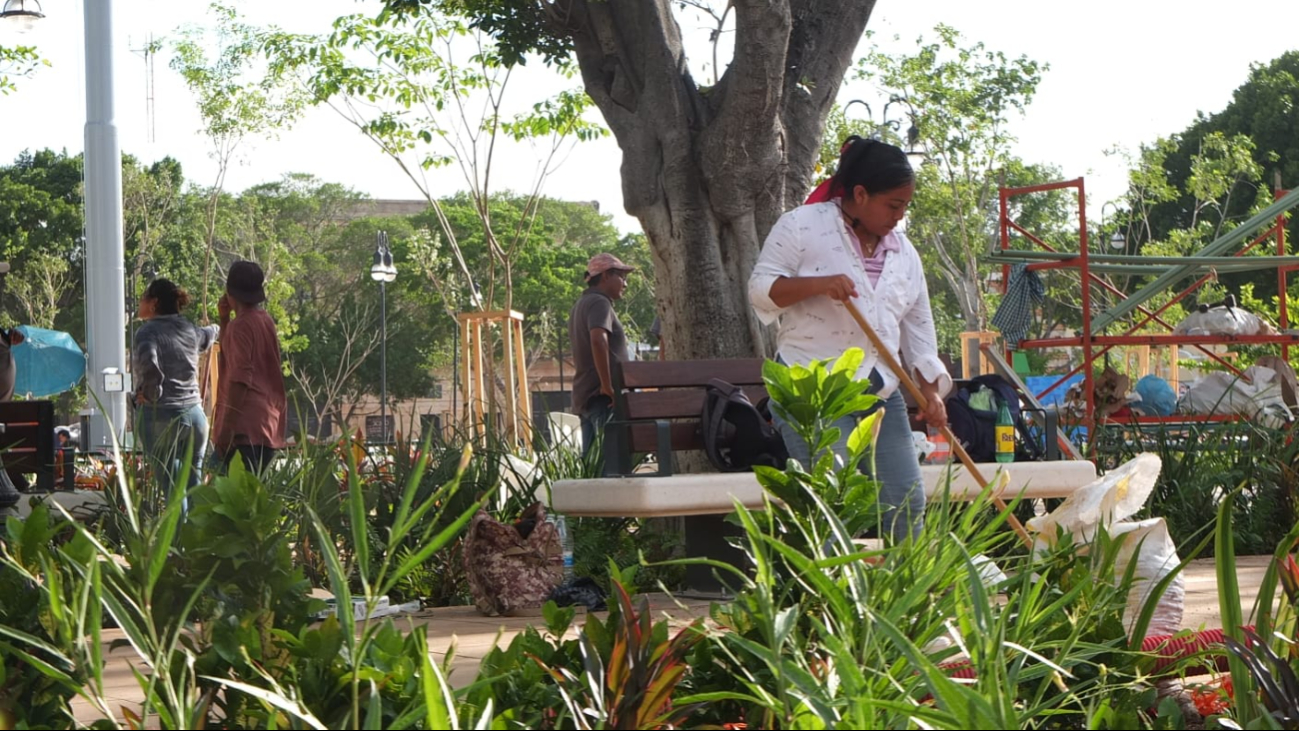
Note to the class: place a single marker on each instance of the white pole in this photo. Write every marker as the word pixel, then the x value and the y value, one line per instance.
pixel 105 295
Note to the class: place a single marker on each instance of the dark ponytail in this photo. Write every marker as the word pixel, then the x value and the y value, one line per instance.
pixel 170 299
pixel 874 165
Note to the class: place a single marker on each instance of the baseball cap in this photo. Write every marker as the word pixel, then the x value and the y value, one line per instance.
pixel 601 263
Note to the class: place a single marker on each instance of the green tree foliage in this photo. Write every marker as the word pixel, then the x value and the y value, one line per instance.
pixel 41 237
pixel 1264 109
pixel 960 100
pixel 237 101
pixel 17 62
pixel 561 237
pixel 431 94
pixel 315 240
pixel 1224 188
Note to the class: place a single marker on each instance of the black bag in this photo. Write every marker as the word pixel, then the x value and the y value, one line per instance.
pixel 976 429
pixel 739 436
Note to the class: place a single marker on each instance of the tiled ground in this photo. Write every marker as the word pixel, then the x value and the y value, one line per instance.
pixel 475 635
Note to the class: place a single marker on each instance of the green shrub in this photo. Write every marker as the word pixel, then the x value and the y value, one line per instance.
pixel 1204 462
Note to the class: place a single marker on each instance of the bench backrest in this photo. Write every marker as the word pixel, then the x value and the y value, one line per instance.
pixel 677 395
pixel 27 439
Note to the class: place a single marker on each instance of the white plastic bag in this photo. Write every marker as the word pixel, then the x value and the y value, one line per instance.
pixel 1109 501
pixel 1223 321
pixel 1148 542
pixel 1260 397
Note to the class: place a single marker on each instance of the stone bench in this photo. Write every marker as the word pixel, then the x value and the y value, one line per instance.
pixel 704 498
pixel 713 493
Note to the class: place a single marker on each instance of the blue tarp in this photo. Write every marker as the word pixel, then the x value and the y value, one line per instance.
pixel 49 362
pixel 1055 395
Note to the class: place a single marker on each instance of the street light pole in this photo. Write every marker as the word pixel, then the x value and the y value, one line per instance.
pixel 383 271
pixel 105 318
pixel 915 151
pixel 383 358
pixel 104 270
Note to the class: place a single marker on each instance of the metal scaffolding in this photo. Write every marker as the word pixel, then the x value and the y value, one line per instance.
pixel 1215 257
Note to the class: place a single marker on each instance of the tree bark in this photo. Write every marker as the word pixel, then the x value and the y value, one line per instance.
pixel 707 171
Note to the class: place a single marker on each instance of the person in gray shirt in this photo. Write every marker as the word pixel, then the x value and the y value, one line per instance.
pixel 598 341
pixel 170 423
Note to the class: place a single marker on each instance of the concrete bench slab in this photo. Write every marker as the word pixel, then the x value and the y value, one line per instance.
pixel 711 494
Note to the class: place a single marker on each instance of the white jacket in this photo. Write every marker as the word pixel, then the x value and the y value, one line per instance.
pixel 812 241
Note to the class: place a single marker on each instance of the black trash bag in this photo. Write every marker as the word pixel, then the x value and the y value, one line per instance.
pixel 579 590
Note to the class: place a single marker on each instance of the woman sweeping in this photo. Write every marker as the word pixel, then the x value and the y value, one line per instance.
pixel 843 246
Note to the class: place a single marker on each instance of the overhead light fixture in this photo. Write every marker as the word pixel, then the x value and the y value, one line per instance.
pixel 1118 241
pixel 21 14
pixel 383 270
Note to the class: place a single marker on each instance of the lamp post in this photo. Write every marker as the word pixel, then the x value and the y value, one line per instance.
pixel 915 151
pixel 105 273
pixel 1118 242
pixel 21 14
pixel 382 271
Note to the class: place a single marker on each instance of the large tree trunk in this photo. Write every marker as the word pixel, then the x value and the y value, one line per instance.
pixel 708 171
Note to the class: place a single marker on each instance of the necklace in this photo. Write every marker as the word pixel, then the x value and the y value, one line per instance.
pixel 853 223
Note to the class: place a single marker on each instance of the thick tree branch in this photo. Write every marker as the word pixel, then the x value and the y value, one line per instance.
pixel 632 61
pixel 742 144
pixel 822 41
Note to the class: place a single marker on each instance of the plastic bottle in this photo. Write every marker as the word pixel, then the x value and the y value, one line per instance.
pixel 1005 433
pixel 566 543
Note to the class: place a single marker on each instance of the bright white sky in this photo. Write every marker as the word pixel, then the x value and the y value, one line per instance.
pixel 1122 73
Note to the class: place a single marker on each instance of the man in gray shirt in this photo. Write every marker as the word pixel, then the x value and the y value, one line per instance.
pixel 597 339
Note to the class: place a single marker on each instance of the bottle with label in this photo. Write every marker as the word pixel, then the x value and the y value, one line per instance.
pixel 565 541
pixel 1005 433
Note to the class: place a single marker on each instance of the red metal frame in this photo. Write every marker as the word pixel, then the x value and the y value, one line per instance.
pixel 1089 343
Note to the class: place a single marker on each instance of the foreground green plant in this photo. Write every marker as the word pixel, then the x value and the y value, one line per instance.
pixel 41 613
pixel 821 633
pixel 218 614
pixel 1204 462
pixel 825 634
pixel 1262 662
pixel 622 672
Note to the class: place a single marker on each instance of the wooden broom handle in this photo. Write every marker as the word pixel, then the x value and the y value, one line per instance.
pixel 907 382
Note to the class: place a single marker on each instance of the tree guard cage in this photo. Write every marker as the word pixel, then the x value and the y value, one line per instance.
pixel 1215 257
pixel 479 376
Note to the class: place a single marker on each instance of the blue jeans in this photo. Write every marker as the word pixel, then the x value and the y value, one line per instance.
pixel 598 412
pixel 166 434
pixel 896 466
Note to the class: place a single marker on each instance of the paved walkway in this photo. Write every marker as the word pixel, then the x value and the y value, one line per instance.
pixel 475 635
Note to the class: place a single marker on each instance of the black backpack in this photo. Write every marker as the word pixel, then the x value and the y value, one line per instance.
pixel 976 429
pixel 738 435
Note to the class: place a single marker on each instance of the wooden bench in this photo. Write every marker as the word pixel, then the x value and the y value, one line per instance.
pixel 657 412
pixel 658 404
pixel 27 443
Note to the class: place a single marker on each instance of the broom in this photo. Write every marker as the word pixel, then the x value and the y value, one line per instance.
pixel 892 362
